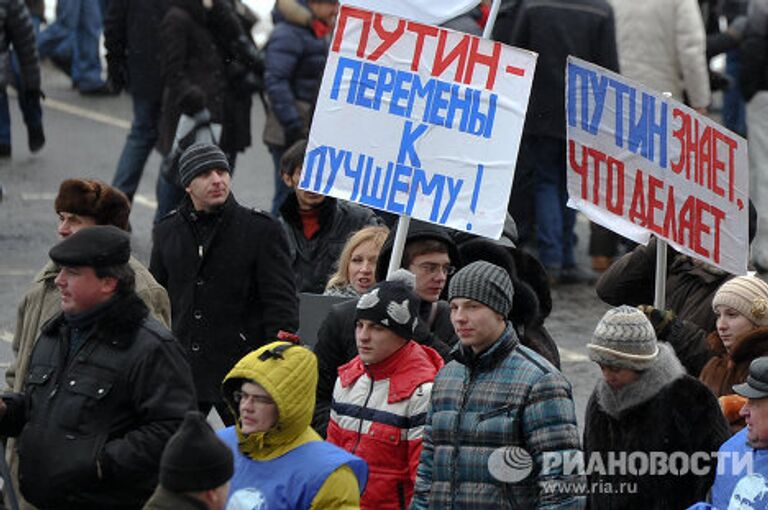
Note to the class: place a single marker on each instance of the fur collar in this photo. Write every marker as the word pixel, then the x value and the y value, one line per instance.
pixel 750 346
pixel 117 324
pixel 666 370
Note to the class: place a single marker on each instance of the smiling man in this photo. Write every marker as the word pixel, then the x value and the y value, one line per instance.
pixel 495 395
pixel 227 272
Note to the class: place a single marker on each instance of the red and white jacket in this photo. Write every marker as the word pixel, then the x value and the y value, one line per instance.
pixel 378 413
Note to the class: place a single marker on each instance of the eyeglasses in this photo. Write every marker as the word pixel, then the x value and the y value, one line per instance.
pixel 239 396
pixel 432 268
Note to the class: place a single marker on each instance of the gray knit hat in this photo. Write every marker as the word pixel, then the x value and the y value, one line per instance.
pixel 485 283
pixel 624 338
pixel 748 295
pixel 198 158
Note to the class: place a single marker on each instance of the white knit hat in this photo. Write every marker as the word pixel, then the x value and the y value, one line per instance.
pixel 748 295
pixel 624 338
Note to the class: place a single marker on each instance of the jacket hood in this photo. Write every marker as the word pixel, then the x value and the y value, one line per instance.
pixel 287 372
pixel 416 230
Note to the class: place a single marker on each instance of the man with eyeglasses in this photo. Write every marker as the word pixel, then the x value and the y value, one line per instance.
pixel 431 255
pixel 280 462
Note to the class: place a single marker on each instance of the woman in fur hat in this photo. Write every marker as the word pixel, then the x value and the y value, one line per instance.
pixel 646 403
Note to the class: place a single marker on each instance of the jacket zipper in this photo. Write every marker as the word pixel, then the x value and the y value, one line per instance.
pixel 465 391
pixel 365 405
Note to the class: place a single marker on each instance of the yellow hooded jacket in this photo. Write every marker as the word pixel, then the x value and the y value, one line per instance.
pixel 289 374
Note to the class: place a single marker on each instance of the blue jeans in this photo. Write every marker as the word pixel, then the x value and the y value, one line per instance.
pixel 31 111
pixel 734 109
pixel 281 190
pixel 138 145
pixel 76 32
pixel 554 220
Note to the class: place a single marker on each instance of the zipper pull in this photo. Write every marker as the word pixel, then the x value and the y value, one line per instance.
pixel 200 250
pixel 53 391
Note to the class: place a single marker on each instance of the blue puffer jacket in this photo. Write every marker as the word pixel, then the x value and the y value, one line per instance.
pixel 295 59
pixel 483 405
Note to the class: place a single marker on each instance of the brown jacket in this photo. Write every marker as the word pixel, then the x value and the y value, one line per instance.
pixel 726 369
pixel 41 303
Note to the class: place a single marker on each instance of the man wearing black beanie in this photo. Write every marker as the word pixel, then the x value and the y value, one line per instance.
pixel 195 469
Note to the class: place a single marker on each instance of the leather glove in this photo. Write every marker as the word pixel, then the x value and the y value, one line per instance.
pixel 660 319
pixel 293 134
pixel 193 101
pixel 117 76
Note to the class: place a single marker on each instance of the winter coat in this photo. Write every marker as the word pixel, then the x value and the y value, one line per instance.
pixel 336 346
pixel 663 411
pixel 294 64
pixel 378 413
pixel 555 30
pixel 42 302
pixel 726 369
pixel 132 38
pixel 229 294
pixel 92 427
pixel 313 260
pixel 196 74
pixel 690 285
pixel 662 44
pixel 16 29
pixel 289 465
pixel 506 396
pixel 753 74
pixel 163 499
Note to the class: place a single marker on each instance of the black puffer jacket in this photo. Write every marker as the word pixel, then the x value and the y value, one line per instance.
pixel 196 75
pixel 17 30
pixel 233 298
pixel 93 429
pixel 313 259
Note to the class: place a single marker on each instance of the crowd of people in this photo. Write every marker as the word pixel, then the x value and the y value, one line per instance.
pixel 435 386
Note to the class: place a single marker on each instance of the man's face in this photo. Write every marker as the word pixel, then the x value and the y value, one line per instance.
pixel 209 189
pixel 324 11
pixel 755 413
pixel 476 325
pixel 431 271
pixel 306 199
pixel 82 290
pixel 375 343
pixel 258 412
pixel 69 223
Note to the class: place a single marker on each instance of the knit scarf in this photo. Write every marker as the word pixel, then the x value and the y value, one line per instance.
pixel 663 372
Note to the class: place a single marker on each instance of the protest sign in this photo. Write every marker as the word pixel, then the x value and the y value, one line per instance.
pixel 640 163
pixel 419 121
pixel 433 12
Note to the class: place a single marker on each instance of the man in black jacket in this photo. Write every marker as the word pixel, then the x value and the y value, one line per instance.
pixel 555 30
pixel 132 41
pixel 107 387
pixel 227 272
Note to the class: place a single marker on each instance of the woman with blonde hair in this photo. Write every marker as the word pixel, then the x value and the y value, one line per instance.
pixel 356 269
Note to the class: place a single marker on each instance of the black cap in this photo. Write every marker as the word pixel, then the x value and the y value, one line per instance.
pixel 757 381
pixel 99 246
pixel 392 304
pixel 194 458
